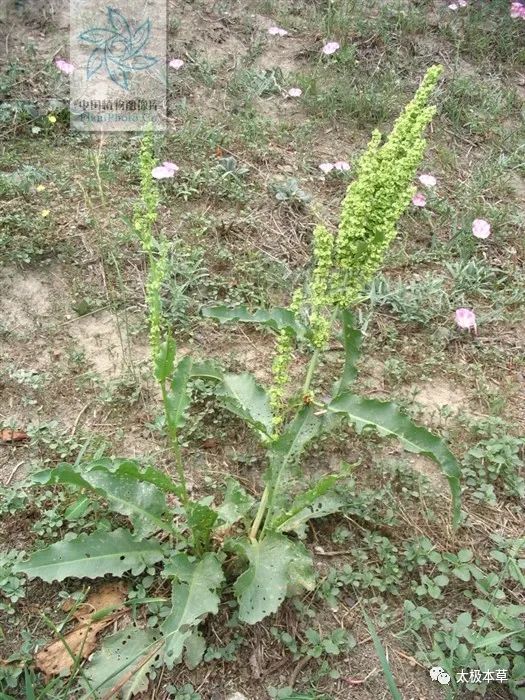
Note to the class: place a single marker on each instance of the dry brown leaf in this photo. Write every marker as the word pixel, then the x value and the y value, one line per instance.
pixel 106 596
pixel 10 435
pixel 55 657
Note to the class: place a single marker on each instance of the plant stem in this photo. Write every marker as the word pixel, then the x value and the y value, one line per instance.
pixel 314 361
pixel 260 513
pixel 174 442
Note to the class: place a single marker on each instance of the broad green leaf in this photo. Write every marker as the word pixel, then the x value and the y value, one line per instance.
pixel 277 318
pixel 305 499
pixel 352 339
pixel 126 658
pixel 165 360
pixel 274 564
pixel 121 467
pixel 194 648
pixel 178 397
pixel 241 395
pixel 387 419
pixel 324 505
pixel 194 595
pixel 207 370
pixel 236 504
pixel 142 502
pixel 297 434
pixel 90 556
pixel 77 509
pixel 494 639
pixel 201 519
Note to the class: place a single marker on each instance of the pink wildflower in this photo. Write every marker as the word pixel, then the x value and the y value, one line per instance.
pixel 419 200
pixel 481 228
pixel 427 180
pixel 176 63
pixel 342 165
pixel 277 31
pixel 295 92
pixel 453 6
pixel 64 66
pixel 330 48
pixel 167 169
pixel 326 167
pixel 465 319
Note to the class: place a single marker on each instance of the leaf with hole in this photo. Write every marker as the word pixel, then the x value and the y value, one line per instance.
pixel 90 556
pixel 274 564
pixel 142 502
pixel 122 666
pixel 194 595
pixel 236 503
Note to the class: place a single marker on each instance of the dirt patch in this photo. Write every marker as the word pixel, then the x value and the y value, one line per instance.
pixel 30 298
pixel 106 343
pixel 436 396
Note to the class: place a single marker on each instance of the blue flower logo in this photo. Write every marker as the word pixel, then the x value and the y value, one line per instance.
pixel 118 48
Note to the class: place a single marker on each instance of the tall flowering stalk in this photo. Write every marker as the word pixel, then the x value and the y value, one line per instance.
pixel 370 211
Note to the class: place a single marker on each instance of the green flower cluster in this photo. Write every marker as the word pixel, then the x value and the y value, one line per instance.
pixel 145 216
pixel 281 365
pixel 379 195
pixel 319 286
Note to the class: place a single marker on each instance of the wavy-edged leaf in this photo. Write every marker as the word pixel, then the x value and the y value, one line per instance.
pixel 274 564
pixel 165 359
pixel 133 468
pixel 143 503
pixel 241 395
pixel 352 339
pixel 236 503
pixel 95 62
pixel 387 419
pixel 206 370
pixel 124 661
pixel 201 519
pixel 305 426
pixel 316 502
pixel 178 397
pixel 90 556
pixel 194 595
pixel 277 319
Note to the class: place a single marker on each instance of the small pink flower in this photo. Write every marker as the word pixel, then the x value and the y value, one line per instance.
pixel 277 31
pixel 326 167
pixel 342 165
pixel 64 66
pixel 330 48
pixel 295 92
pixel 453 6
pixel 170 166
pixel 517 9
pixel 176 63
pixel 167 169
pixel 481 228
pixel 427 180
pixel 465 319
pixel 462 3
pixel 419 200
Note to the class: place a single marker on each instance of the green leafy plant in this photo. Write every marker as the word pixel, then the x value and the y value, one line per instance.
pixel 206 541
